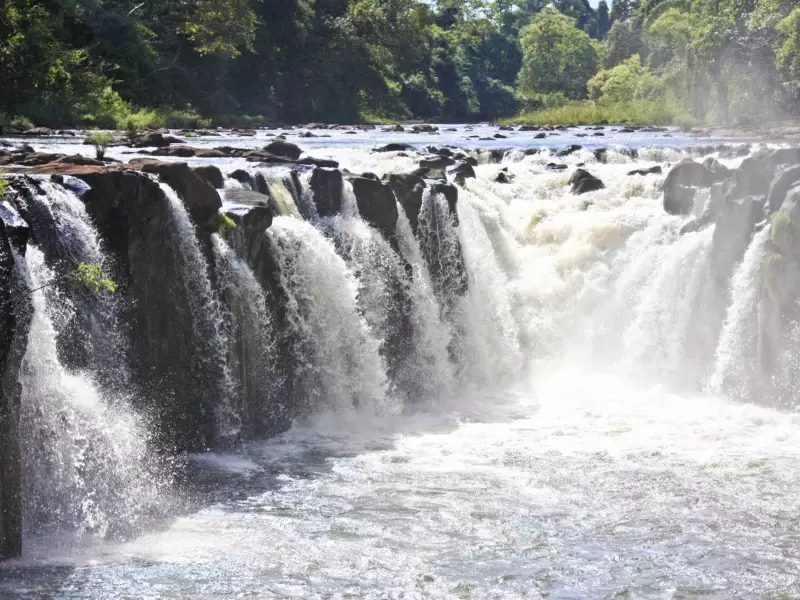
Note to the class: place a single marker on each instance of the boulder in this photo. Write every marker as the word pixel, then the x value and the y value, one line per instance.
pixel 284 149
pixel 78 159
pixel 171 358
pixel 780 186
pixel 395 147
pixel 756 173
pixel 582 182
pixel 540 136
pixel 656 170
pixel 408 189
pixel 319 162
pixel 212 175
pixel 450 192
pixel 242 176
pixel 681 183
pixel 247 208
pixel 461 172
pixel 503 177
pixel 327 187
pixel 376 204
pixel 156 140
pixel 571 149
pixel 438 162
pixel 188 152
pixel 201 199
pixel 38 132
pixel 15 317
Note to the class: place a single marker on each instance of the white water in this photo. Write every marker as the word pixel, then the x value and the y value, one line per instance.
pixel 208 320
pixel 340 365
pixel 85 457
pixel 589 462
pixel 250 328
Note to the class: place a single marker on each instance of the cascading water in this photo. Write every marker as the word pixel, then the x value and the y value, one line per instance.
pixel 251 333
pixel 208 320
pixel 339 363
pixel 86 461
pixel 577 454
pixel 735 372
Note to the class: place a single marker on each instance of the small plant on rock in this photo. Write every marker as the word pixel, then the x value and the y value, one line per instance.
pixel 100 140
pixel 91 275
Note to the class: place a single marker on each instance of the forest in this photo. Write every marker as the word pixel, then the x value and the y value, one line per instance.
pixel 183 63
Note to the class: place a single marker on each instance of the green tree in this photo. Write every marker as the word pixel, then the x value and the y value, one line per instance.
pixel 556 56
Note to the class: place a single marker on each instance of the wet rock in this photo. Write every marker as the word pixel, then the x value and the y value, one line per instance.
pixel 656 170
pixel 376 204
pixel 242 176
pixel 319 162
pixel 735 223
pixel 327 187
pixel 38 132
pixel 571 149
pixel 188 152
pixel 540 136
pixel 506 128
pixel 153 140
pixel 15 318
pixel 499 136
pixel 247 208
pixel 439 162
pixel 503 177
pixel 408 189
pixel 450 192
pixel 369 175
pixel 201 199
pixel 557 166
pixel 461 172
pixel 424 129
pixel 756 172
pixel 582 181
pixel 180 385
pixel 785 180
pixel 394 129
pixel 682 181
pixel 212 175
pixel 395 147
pixel 284 149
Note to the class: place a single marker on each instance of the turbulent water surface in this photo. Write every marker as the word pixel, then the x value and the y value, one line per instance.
pixel 574 430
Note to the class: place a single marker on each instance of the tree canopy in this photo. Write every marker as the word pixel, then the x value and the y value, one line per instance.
pixel 109 63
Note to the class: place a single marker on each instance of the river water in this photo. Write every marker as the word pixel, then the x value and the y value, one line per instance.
pixel 584 453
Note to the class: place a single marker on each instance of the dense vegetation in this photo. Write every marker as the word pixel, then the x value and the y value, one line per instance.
pixel 127 63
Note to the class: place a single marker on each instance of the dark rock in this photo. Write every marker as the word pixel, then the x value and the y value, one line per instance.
pixel 201 199
pixel 780 186
pixel 24 149
pixel 540 136
pixel 499 136
pixel 369 175
pixel 319 162
pixel 247 208
pixel 461 172
pixel 188 152
pixel 735 224
pixel 376 204
pixel 598 134
pixel 528 128
pixel 450 192
pixel 394 129
pixel 327 187
pixel 155 140
pixel 506 128
pixel 395 147
pixel 571 149
pixel 557 166
pixel 582 182
pixel 15 317
pixel 283 148
pixel 503 177
pixel 212 175
pixel 756 172
pixel 38 132
pixel 242 176
pixel 656 170
pixel 439 162
pixel 681 182
pixel 408 189
pixel 170 348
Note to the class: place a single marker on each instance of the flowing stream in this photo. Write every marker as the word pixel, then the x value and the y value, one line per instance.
pixel 568 413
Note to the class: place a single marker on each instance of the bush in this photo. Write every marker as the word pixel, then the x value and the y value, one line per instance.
pixel 659 111
pixel 21 123
pixel 421 98
pixel 628 81
pixel 100 140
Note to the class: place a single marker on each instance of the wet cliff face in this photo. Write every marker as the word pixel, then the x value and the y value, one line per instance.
pixel 168 329
pixel 15 315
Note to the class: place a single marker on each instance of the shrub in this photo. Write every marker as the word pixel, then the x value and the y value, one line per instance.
pixel 91 275
pixel 100 140
pixel 21 123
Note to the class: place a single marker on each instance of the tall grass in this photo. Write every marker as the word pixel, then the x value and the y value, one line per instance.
pixel 590 112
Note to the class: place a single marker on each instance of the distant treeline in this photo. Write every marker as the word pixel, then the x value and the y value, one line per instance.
pixel 139 63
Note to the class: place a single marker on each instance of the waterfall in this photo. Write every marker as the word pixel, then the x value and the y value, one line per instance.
pixel 431 372
pixel 735 370
pixel 251 334
pixel 208 319
pixel 86 461
pixel 93 336
pixel 338 355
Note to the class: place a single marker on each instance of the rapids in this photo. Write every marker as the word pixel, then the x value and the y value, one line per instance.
pixel 571 425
